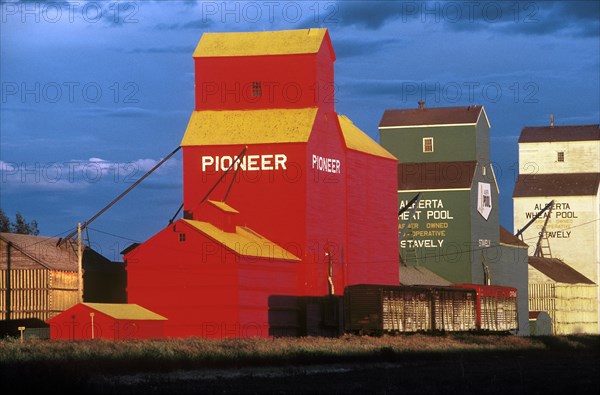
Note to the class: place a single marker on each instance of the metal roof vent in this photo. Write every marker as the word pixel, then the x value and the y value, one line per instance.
pixel 552 120
pixel 421 104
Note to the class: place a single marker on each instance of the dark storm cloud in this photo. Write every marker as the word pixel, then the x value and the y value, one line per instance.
pixel 572 18
pixel 575 18
pixel 194 24
pixel 168 50
pixel 345 48
pixel 370 15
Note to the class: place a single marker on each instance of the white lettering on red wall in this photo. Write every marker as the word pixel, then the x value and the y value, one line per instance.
pixel 328 165
pixel 246 163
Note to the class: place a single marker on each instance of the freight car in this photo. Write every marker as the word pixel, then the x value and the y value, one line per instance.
pixel 372 309
pixel 496 307
pixel 378 309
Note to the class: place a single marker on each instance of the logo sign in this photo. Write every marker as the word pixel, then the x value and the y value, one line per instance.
pixel 246 163
pixel 328 165
pixel 484 199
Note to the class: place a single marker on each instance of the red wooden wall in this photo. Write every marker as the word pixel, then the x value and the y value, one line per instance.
pixel 76 324
pixel 333 208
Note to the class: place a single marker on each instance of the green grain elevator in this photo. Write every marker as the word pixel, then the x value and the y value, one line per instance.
pixel 453 227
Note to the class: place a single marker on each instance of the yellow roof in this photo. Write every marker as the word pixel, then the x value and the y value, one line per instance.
pixel 283 42
pixel 223 206
pixel 125 311
pixel 358 140
pixel 244 241
pixel 249 127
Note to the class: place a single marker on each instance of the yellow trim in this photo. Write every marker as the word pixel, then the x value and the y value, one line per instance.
pixel 125 311
pixel 223 206
pixel 249 127
pixel 283 42
pixel 358 140
pixel 244 241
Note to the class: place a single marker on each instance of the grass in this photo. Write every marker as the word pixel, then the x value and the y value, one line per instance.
pixel 72 363
pixel 257 351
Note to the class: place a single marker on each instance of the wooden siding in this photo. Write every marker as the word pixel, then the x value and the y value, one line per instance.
pixel 63 292
pixel 572 234
pixel 450 143
pixel 390 309
pixel 498 313
pixel 572 308
pixel 37 293
pixel 580 156
pixel 439 234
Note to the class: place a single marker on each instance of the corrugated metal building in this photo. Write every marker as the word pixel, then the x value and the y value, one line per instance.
pixel 566 295
pixel 307 207
pixel 453 229
pixel 561 163
pixel 39 279
pixel 106 321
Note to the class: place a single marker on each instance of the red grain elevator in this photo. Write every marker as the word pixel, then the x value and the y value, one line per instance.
pixel 282 196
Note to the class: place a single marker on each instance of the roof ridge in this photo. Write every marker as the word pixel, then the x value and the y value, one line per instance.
pixel 262 43
pixel 20 249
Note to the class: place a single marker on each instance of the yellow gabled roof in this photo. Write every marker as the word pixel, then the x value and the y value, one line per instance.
pixel 125 311
pixel 244 241
pixel 249 127
pixel 223 206
pixel 283 42
pixel 358 140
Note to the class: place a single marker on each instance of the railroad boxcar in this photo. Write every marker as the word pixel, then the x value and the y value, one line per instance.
pixel 377 309
pixel 496 307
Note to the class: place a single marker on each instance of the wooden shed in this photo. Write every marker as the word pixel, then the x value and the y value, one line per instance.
pixel 107 321
pixel 566 295
pixel 39 279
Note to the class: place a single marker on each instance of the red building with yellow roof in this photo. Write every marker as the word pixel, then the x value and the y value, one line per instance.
pixel 283 197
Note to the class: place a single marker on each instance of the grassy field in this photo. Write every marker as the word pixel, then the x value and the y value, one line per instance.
pixel 351 364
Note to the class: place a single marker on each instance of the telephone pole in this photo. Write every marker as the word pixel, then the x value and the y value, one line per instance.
pixel 79 265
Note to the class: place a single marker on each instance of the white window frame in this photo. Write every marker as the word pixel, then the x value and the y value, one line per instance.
pixel 424 144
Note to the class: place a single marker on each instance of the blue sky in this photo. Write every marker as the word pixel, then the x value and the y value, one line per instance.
pixel 94 93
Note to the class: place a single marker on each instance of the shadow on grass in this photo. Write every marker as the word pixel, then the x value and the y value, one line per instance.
pixel 562 364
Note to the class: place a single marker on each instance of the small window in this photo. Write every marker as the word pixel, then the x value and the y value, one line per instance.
pixel 182 237
pixel 483 171
pixel 428 144
pixel 561 156
pixel 256 88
